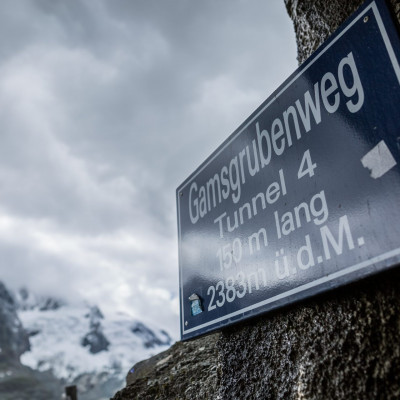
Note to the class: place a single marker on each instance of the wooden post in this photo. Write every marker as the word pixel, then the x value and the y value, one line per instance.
pixel 71 392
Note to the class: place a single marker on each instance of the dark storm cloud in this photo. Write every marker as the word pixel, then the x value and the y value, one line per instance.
pixel 105 107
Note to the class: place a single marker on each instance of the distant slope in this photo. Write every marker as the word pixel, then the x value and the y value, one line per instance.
pixel 46 344
pixel 18 382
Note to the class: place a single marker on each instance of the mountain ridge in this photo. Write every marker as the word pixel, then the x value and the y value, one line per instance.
pixel 71 343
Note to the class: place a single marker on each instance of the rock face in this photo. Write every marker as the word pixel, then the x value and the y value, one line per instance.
pixel 18 381
pixel 315 20
pixel 13 338
pixel 95 339
pixel 340 345
pixel 27 301
pixel 185 371
pixel 150 339
pixel 344 344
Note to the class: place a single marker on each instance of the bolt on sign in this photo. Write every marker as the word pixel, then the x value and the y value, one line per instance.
pixel 305 195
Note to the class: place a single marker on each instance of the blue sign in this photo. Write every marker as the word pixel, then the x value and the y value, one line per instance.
pixel 305 195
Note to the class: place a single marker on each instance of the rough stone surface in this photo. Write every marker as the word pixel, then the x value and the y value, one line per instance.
pixel 315 20
pixel 187 370
pixel 341 345
pixel 344 344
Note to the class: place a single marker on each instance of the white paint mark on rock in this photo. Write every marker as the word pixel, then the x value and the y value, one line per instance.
pixel 164 360
pixel 379 160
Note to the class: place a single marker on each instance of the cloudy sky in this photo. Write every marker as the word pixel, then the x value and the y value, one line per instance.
pixel 105 108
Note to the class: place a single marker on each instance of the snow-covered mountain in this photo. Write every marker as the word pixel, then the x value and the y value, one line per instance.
pixel 80 345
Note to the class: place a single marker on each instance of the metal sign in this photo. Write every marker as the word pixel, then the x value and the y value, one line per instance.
pixel 304 196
